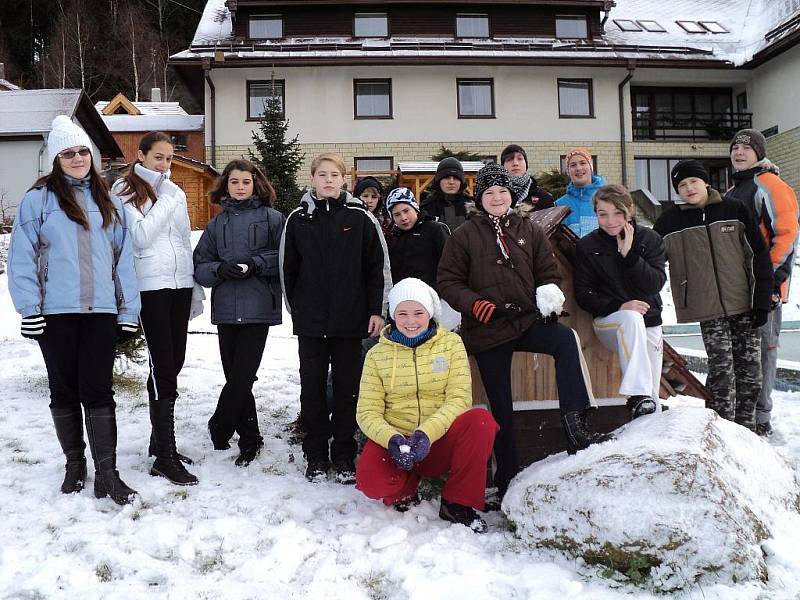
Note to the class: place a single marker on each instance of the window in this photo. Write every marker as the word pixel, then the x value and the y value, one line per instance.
pixel 652 26
pixel 370 25
pixel 741 102
pixel 372 98
pixel 691 26
pixel 713 27
pixel 179 142
pixel 626 25
pixel 374 163
pixel 564 163
pixel 472 26
pixel 571 27
pixel 265 27
pixel 475 98
pixel 258 92
pixel 575 98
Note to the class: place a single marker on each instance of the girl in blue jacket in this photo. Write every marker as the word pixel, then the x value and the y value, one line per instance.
pixel 237 257
pixel 71 277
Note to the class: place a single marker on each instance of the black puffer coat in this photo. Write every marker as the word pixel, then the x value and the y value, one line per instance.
pixel 416 252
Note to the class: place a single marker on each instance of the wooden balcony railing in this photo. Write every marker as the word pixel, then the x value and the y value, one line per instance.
pixel 665 125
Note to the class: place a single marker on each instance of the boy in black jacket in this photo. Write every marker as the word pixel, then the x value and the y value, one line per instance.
pixel 335 274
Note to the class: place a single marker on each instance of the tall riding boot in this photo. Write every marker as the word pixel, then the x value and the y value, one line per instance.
pixel 101 426
pixel 579 433
pixel 69 430
pixel 167 463
pixel 152 449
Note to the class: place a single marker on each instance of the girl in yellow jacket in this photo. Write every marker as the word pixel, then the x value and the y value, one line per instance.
pixel 415 407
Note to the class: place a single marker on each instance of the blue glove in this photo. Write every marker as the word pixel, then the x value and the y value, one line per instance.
pixel 400 451
pixel 420 445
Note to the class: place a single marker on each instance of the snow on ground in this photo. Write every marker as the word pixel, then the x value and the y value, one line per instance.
pixel 263 531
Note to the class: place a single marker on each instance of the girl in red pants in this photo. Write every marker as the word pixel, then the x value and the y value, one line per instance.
pixel 414 406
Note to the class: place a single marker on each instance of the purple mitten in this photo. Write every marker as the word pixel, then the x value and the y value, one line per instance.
pixel 420 445
pixel 400 451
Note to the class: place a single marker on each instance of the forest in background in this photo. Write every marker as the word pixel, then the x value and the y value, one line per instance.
pixel 102 46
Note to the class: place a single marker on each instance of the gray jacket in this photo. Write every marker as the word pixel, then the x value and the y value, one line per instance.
pixel 244 229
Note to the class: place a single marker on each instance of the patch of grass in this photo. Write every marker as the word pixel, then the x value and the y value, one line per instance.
pixel 22 459
pixel 136 515
pixel 180 494
pixel 103 572
pixel 131 384
pixel 207 564
pixel 376 584
pixel 632 563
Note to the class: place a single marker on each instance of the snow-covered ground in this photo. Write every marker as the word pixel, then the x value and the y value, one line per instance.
pixel 264 531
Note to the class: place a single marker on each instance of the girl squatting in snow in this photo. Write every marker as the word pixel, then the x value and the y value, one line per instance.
pixel 415 408
pixel 72 278
pixel 619 273
pixel 721 275
pixel 499 271
pixel 237 257
pixel 158 221
pixel 335 275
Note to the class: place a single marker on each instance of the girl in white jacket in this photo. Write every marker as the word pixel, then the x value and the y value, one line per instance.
pixel 159 224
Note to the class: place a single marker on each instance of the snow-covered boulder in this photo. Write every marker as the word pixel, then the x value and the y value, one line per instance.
pixel 679 497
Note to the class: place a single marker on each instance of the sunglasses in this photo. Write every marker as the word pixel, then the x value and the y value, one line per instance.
pixel 70 154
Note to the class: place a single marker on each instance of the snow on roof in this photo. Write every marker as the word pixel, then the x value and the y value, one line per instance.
pixel 33 111
pixel 429 166
pixel 153 122
pixel 150 108
pixel 5 85
pixel 215 25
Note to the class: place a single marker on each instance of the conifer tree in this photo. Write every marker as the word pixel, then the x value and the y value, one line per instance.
pixel 278 157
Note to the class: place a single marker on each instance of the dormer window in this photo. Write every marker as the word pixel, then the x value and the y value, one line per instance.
pixel 265 27
pixel 572 27
pixel 371 25
pixel 472 26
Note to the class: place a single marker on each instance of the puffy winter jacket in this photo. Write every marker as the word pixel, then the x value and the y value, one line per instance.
pixel 604 280
pixel 718 263
pixel 162 247
pixel 582 220
pixel 472 267
pixel 56 266
pixel 450 210
pixel 403 389
pixel 416 252
pixel 773 204
pixel 334 267
pixel 244 229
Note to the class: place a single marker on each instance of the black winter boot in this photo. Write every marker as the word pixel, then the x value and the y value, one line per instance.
pixel 639 406
pixel 152 450
pixel 579 434
pixel 167 463
pixel 465 515
pixel 101 427
pixel 69 430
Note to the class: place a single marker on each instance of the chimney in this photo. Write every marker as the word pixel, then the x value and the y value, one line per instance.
pixel 2 71
pixel 155 95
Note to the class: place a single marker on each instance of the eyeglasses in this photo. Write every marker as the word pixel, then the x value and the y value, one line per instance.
pixel 70 154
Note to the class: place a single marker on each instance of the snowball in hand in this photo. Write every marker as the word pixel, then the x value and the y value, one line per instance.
pixel 549 299
pixel 243 267
pixel 405 448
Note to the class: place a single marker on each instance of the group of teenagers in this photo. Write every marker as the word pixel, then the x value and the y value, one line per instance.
pixel 388 297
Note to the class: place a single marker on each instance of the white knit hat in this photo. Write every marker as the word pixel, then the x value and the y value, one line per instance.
pixel 415 289
pixel 65 134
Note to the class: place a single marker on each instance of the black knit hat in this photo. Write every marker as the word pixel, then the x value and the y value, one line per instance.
pixel 447 167
pixel 688 168
pixel 492 174
pixel 366 183
pixel 753 138
pixel 510 150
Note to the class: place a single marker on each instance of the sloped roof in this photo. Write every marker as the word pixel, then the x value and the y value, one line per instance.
pixel 147 116
pixel 150 108
pixel 429 166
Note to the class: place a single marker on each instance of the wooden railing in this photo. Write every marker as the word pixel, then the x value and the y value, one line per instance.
pixel 660 125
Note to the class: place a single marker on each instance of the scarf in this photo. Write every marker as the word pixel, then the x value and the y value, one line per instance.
pixel 412 342
pixel 520 185
pixel 501 237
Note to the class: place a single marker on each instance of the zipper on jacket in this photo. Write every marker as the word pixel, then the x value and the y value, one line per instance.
pixel 714 263
pixel 416 376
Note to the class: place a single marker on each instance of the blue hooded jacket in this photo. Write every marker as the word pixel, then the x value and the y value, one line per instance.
pixel 56 266
pixel 582 220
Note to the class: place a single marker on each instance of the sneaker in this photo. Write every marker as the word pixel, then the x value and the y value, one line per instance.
pixel 640 406
pixel 764 430
pixel 456 513
pixel 317 470
pixel 248 455
pixel 404 504
pixel 345 471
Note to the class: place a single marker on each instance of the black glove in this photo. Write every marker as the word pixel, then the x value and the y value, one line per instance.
pixel 759 318
pixel 251 267
pixel 126 332
pixel 228 270
pixel 485 310
pixel 32 327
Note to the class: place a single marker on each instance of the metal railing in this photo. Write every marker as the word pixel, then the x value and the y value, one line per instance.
pixel 663 125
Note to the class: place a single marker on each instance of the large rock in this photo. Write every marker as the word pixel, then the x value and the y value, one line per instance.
pixel 677 498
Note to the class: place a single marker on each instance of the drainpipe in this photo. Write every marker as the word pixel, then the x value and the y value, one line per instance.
pixel 607 6
pixel 41 155
pixel 622 148
pixel 213 128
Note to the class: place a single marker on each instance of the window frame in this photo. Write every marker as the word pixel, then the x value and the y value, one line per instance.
pixel 248 85
pixel 273 16
pixel 180 140
pixel 472 37
pixel 472 81
pixel 590 81
pixel 649 28
pixel 373 80
pixel 358 158
pixel 710 26
pixel 573 17
pixel 371 37
pixel 633 27
pixel 687 27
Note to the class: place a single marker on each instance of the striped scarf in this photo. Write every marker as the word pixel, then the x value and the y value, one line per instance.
pixel 501 237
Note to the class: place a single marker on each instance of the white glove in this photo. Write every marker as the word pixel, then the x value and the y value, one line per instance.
pixel 549 299
pixel 198 295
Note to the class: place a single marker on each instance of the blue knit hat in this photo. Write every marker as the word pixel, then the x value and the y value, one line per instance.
pixel 398 195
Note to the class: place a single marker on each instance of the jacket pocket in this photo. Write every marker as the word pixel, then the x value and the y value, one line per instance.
pixel 684 295
pixel 258 235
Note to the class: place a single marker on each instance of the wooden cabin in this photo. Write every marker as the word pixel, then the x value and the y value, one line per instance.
pixel 195 178
pixel 533 379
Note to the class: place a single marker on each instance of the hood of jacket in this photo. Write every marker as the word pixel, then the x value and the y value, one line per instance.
pixel 581 191
pixel 250 203
pixel 154 178
pixel 763 166
pixel 313 203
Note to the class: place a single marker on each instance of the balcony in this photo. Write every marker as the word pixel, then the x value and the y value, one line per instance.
pixel 672 125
